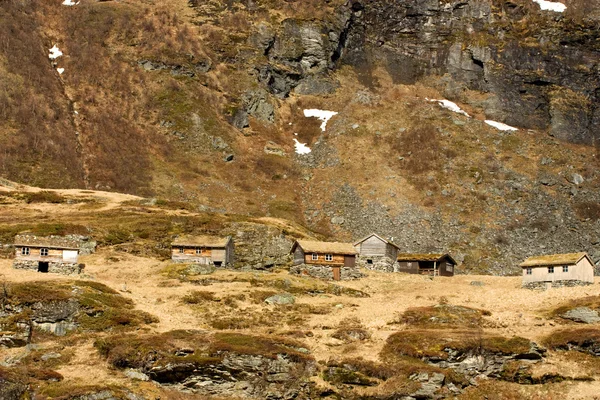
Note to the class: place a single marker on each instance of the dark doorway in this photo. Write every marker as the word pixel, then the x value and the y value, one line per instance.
pixel 218 263
pixel 43 266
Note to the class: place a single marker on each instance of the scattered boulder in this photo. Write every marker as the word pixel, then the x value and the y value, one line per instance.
pixel 582 314
pixel 477 283
pixel 281 299
pixel 136 375
pixel 201 269
pixel 575 179
pixel 274 149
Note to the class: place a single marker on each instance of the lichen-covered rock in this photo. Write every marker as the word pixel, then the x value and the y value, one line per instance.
pixel 582 314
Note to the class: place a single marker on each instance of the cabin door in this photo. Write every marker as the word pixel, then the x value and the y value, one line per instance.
pixel 350 261
pixel 336 273
pixel 43 266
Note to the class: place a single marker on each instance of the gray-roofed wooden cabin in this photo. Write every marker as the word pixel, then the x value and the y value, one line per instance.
pixel 376 253
pixel 435 264
pixel 207 250
pixel 58 254
pixel 327 260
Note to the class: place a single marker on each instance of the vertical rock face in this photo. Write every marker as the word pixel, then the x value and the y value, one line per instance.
pixel 539 67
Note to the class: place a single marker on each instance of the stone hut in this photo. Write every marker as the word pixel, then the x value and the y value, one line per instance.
pixel 58 254
pixel 434 264
pixel 376 253
pixel 206 250
pixel 556 270
pixel 326 260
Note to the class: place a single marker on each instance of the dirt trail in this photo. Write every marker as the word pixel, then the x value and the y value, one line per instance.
pixel 109 200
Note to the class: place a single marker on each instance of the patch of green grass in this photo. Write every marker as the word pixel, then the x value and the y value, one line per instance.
pixel 198 297
pixel 565 338
pixel 433 343
pixel 443 316
pixel 101 308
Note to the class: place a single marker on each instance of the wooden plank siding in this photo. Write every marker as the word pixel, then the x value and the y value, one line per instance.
pixel 375 247
pixel 338 259
pixel 35 254
pixel 298 256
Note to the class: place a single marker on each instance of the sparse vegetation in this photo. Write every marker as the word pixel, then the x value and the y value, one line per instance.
pixel 443 316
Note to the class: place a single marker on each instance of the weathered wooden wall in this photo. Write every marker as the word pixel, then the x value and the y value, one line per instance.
pixel 582 271
pixel 298 256
pixel 337 259
pixel 35 255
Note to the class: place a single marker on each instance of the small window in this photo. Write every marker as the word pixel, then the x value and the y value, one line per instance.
pixel 529 271
pixel 409 264
pixel 25 251
pixel 328 257
pixel 315 256
pixel 43 252
pixel 550 270
pixel 369 261
pixel 198 250
pixel 565 268
pixel 181 250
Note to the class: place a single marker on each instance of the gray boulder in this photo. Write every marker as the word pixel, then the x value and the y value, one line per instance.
pixel 582 314
pixel 284 298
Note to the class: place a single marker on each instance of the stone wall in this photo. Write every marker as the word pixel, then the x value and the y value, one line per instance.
pixel 54 267
pixel 555 284
pixel 379 263
pixel 325 271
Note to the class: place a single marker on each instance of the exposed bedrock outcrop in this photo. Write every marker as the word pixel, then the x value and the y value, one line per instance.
pixel 538 67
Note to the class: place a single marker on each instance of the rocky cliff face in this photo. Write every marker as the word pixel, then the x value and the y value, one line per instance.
pixel 541 63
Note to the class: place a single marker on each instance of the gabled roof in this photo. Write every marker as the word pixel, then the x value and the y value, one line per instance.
pixel 555 259
pixel 51 242
pixel 378 237
pixel 310 246
pixel 201 241
pixel 425 257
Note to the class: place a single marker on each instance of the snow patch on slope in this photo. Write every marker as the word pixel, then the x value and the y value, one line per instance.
pixel 449 105
pixel 551 5
pixel 500 125
pixel 55 53
pixel 323 115
pixel 301 148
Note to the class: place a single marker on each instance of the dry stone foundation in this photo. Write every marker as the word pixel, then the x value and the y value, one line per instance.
pixel 326 272
pixel 556 284
pixel 376 263
pixel 64 268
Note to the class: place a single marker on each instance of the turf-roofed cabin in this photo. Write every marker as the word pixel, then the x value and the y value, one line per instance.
pixel 426 264
pixel 326 260
pixel 56 254
pixel 571 269
pixel 207 250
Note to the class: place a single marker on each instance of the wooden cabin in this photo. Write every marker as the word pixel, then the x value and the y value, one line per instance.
pixel 208 250
pixel 58 254
pixel 377 253
pixel 434 264
pixel 328 260
pixel 557 270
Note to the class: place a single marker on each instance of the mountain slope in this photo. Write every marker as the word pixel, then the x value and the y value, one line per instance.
pixel 200 102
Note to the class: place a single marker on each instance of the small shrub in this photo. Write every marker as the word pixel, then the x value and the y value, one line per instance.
pixel 43 197
pixel 198 297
